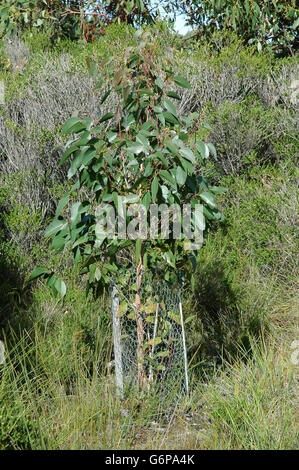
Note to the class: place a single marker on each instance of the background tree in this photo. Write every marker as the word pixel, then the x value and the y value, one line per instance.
pixel 74 18
pixel 266 24
pixel 19 16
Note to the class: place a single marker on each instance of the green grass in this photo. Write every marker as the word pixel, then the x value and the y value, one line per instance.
pixel 247 405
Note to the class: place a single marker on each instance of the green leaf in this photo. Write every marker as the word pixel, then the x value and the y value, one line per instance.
pixel 67 153
pixel 60 287
pixel 51 280
pixel 170 118
pixel 203 149
pixel 296 24
pixel 174 95
pixel 154 188
pixel 146 126
pixel 152 341
pixel 188 154
pixel 146 200
pixel 218 189
pixel 94 273
pixel 38 22
pixel 161 118
pixel 83 139
pixel 212 149
pixel 76 162
pixel 122 309
pixel 181 176
pixel 136 148
pixel 199 221
pixel 142 139
pixel 145 257
pixel 165 192
pixel 187 320
pixel 170 258
pixel 162 354
pixel 76 210
pixel 111 136
pixel 172 147
pixel 159 82
pixel 73 126
pixel 188 167
pixel 175 317
pixel 80 241
pixel 55 226
pixel 4 12
pixel 131 198
pixel 126 92
pixel 208 198
pixel 62 203
pixel 106 117
pixel 59 242
pixel 208 213
pixel 167 176
pixel 105 96
pixel 148 170
pixel 169 106
pixel 181 81
pixel 145 91
pixel 128 121
pixel 89 154
pixel 159 155
pixel 37 272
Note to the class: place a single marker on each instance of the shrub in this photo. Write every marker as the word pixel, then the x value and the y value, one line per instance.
pixel 247 269
pixel 245 133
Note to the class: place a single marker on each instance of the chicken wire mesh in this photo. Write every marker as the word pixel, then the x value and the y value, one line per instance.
pixel 164 346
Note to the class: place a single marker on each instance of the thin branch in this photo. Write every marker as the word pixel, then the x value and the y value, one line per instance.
pixel 71 12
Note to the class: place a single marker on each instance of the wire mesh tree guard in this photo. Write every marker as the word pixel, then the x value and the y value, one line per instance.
pixel 164 356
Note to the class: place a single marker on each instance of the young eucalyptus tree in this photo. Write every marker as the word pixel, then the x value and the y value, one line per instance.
pixel 147 158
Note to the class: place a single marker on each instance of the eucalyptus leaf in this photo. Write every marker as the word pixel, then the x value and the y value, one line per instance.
pixel 181 81
pixel 181 176
pixel 37 272
pixel 55 226
pixel 154 188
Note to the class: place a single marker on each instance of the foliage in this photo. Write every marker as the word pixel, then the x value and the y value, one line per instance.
pixel 73 18
pixel 147 157
pixel 44 87
pixel 20 16
pixel 130 11
pixel 269 24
